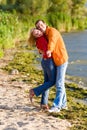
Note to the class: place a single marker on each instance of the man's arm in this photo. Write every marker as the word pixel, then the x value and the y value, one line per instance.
pixel 53 37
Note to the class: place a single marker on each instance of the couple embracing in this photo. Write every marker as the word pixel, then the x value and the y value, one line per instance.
pixel 50 44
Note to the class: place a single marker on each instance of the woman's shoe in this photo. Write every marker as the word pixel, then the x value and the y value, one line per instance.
pixel 31 94
pixel 44 107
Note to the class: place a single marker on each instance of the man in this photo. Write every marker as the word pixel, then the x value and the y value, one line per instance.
pixel 57 48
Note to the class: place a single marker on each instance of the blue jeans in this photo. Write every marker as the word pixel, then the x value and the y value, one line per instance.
pixel 49 70
pixel 60 100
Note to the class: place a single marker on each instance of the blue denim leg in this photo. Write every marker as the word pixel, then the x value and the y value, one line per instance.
pixel 44 98
pixel 60 99
pixel 45 94
pixel 49 70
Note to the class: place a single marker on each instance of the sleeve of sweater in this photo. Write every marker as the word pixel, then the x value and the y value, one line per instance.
pixel 53 37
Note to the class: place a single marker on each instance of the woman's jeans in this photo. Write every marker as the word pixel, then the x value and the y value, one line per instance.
pixel 49 70
pixel 60 100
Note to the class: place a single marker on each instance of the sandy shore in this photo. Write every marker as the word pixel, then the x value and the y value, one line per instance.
pixel 17 113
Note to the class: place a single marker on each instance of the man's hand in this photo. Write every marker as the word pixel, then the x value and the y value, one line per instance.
pixel 49 53
pixel 40 51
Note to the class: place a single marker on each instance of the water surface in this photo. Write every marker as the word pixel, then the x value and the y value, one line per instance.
pixel 76 44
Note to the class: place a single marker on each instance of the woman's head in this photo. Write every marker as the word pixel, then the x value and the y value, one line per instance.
pixel 34 33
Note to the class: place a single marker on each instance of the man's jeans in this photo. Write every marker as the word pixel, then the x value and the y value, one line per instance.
pixel 60 100
pixel 49 70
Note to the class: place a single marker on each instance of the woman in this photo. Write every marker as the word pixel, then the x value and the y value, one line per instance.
pixel 49 69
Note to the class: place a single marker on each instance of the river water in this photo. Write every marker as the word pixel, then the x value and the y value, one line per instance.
pixel 76 44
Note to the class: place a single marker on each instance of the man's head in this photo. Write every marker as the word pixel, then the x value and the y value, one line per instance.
pixel 41 25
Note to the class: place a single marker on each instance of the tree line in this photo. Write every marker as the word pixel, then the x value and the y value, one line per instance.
pixel 18 16
pixel 37 7
pixel 64 15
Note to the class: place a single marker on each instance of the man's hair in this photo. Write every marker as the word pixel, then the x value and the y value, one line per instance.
pixel 39 20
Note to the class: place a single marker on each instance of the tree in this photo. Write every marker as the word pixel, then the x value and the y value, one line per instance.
pixel 78 8
pixel 11 1
pixel 60 6
pixel 33 7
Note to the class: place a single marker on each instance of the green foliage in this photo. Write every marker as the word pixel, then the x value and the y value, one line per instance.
pixel 3 1
pixel 60 6
pixel 79 93
pixel 64 15
pixel 21 61
pixel 12 28
pixel 31 7
pixel 7 29
pixel 1 53
pixel 11 1
pixel 24 62
pixel 60 21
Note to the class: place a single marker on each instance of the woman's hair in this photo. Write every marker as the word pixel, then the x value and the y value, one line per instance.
pixel 31 39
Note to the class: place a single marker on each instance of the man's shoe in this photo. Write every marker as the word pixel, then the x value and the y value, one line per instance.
pixel 65 108
pixel 54 109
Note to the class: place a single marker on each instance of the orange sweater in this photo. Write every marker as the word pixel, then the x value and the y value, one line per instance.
pixel 56 46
